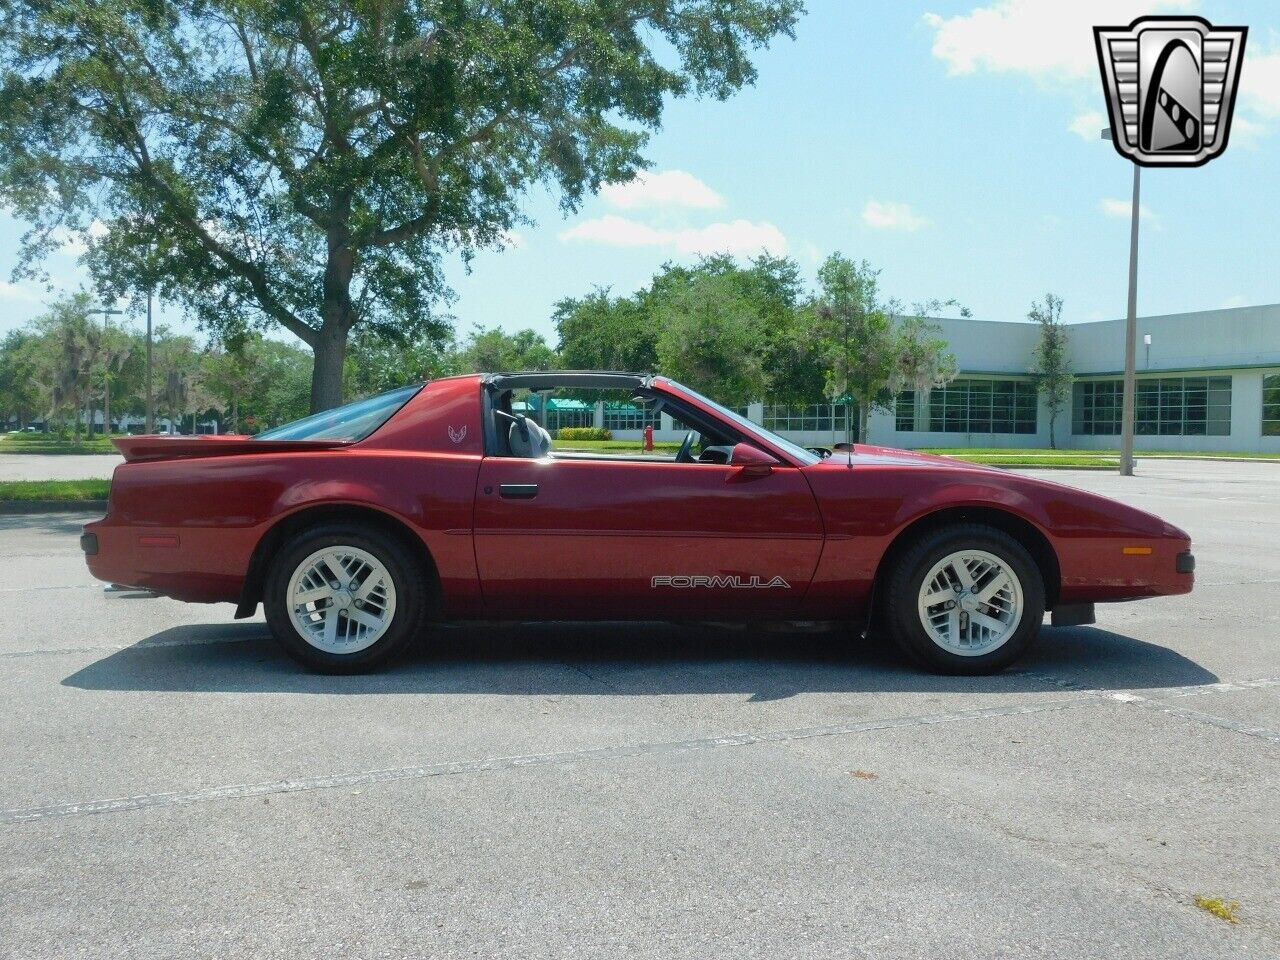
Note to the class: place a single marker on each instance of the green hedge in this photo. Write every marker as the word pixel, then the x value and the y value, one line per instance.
pixel 583 433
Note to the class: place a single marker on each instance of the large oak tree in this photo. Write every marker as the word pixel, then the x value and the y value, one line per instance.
pixel 307 163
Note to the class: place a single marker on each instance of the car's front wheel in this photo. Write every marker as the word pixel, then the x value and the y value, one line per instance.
pixel 343 598
pixel 966 599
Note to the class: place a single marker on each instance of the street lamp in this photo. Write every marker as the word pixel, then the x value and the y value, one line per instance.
pixel 107 314
pixel 1130 331
pixel 151 397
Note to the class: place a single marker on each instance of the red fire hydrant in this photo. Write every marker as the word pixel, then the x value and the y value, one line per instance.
pixel 648 438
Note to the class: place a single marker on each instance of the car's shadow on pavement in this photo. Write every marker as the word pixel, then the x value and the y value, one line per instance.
pixel 622 659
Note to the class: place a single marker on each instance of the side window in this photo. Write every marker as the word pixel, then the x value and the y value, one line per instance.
pixel 710 445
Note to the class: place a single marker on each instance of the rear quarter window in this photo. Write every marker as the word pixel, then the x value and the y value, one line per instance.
pixel 351 422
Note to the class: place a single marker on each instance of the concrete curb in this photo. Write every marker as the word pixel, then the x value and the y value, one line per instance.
pixel 22 507
pixel 1164 456
pixel 1047 466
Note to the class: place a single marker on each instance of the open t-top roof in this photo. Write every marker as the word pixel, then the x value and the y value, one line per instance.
pixel 569 379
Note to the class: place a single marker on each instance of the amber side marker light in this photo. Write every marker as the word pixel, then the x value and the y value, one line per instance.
pixel 1136 551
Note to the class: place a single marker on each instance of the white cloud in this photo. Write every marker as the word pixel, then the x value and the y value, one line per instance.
pixel 1260 83
pixel 666 188
pixel 616 231
pixel 1113 207
pixel 890 215
pixel 1046 39
pixel 1239 300
pixel 737 236
pixel 1246 132
pixel 73 241
pixel 17 292
pixel 1051 42
pixel 1088 125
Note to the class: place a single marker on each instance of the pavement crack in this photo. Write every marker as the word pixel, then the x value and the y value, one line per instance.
pixel 1076 699
pixel 453 768
pixel 608 685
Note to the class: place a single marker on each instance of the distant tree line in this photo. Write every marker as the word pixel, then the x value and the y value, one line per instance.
pixel 742 333
pixel 737 332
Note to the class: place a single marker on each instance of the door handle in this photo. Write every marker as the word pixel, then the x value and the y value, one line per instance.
pixel 518 491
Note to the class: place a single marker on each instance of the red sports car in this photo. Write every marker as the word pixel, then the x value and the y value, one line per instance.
pixel 357 526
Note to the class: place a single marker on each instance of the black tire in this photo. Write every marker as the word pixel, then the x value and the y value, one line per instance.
pixel 902 592
pixel 407 574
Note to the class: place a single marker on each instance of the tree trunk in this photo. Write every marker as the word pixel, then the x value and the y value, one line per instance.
pixel 337 312
pixel 864 422
pixel 326 376
pixel 1053 443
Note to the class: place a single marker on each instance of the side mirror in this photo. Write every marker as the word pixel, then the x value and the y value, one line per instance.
pixel 751 462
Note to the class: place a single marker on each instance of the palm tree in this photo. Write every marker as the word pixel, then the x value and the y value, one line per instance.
pixel 73 346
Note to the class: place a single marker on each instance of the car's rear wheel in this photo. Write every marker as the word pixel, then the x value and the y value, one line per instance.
pixel 343 598
pixel 967 599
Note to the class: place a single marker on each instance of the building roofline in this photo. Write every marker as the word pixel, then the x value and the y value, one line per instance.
pixel 1087 323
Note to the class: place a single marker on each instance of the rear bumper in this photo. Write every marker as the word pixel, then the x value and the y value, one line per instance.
pixel 200 565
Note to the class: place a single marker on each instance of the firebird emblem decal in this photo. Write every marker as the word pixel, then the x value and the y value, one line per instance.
pixel 732 583
pixel 457 436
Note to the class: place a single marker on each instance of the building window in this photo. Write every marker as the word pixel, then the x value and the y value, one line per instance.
pixel 1096 407
pixel 1184 407
pixel 815 417
pixel 1271 405
pixel 1164 406
pixel 983 406
pixel 628 417
pixel 904 412
pixel 574 417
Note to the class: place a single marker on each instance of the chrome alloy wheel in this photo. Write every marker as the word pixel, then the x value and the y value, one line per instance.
pixel 341 599
pixel 970 603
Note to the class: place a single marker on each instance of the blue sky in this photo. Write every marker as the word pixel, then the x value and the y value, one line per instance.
pixel 954 145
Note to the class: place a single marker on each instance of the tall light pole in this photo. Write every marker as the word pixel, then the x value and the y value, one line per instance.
pixel 1130 332
pixel 151 396
pixel 107 314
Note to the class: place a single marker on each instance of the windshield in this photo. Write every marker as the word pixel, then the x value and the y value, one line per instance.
pixel 800 453
pixel 353 422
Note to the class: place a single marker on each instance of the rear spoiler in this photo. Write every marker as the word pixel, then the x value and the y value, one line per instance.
pixel 160 447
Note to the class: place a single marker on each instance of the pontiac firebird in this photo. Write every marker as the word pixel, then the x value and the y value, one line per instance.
pixel 357 527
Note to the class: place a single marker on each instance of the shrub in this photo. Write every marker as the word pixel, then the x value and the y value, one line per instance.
pixel 583 433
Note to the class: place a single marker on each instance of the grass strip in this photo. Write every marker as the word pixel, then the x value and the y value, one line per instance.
pixel 69 490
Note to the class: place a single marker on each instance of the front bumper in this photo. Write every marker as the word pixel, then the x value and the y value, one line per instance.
pixel 1112 569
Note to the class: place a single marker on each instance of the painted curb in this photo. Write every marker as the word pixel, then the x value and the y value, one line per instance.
pixel 22 507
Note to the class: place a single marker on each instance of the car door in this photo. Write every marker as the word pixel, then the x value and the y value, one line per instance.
pixel 643 537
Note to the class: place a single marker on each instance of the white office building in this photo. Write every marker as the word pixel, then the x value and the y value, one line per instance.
pixel 1206 381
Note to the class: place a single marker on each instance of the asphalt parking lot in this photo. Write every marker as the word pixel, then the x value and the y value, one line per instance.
pixel 176 787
